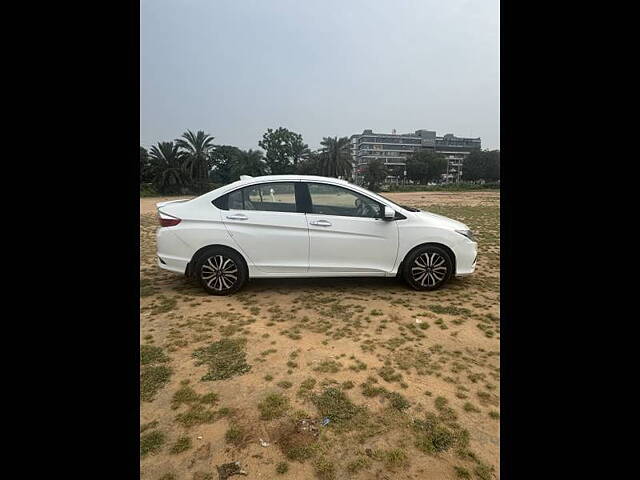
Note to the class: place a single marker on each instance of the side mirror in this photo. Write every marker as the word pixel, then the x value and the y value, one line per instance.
pixel 389 213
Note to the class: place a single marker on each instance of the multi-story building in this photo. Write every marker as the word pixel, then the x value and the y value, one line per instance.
pixel 394 149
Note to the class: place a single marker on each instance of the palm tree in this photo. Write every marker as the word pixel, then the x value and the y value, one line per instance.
pixel 147 171
pixel 248 162
pixel 335 159
pixel 311 165
pixel 196 149
pixel 169 164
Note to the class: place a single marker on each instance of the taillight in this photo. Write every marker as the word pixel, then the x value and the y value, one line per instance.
pixel 168 222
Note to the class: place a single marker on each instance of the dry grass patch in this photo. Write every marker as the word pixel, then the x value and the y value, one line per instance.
pixel 225 358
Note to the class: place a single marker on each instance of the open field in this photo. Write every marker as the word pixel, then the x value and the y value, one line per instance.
pixel 410 380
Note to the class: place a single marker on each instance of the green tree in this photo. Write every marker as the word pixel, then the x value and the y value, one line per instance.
pixel 425 166
pixel 311 165
pixel 482 165
pixel 375 173
pixel 169 165
pixel 196 149
pixel 221 161
pixel 335 157
pixel 284 149
pixel 249 162
pixel 147 168
pixel 299 150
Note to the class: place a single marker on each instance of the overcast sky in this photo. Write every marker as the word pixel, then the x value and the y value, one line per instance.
pixel 319 67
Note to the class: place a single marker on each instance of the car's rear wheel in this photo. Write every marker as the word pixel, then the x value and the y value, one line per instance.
pixel 221 271
pixel 428 268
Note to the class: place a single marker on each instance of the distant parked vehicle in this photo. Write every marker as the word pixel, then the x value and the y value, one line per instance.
pixel 307 226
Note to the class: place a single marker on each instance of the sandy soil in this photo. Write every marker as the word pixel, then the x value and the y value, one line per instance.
pixel 354 322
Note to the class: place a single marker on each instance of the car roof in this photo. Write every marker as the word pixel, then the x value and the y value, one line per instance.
pixel 275 178
pixel 246 180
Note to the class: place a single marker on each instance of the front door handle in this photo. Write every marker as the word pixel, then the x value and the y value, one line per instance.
pixel 321 223
pixel 237 216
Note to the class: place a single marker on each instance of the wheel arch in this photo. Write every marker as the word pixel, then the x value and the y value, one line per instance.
pixel 196 256
pixel 446 248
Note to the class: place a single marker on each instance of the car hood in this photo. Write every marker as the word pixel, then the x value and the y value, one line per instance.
pixel 441 221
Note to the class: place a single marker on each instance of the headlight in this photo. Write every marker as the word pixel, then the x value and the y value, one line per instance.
pixel 468 234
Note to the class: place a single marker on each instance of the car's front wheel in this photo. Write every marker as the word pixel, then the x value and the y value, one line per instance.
pixel 428 268
pixel 221 271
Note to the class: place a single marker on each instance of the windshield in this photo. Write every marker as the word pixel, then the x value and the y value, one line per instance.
pixel 411 209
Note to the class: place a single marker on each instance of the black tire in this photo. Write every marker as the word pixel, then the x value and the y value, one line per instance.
pixel 221 271
pixel 428 268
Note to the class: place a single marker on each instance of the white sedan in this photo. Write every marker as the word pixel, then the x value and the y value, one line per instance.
pixel 307 226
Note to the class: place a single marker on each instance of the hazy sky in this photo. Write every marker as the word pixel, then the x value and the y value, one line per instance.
pixel 319 67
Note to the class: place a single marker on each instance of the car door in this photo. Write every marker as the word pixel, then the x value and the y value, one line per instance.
pixel 347 233
pixel 264 221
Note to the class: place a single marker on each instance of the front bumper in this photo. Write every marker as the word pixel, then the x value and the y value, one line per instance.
pixel 466 258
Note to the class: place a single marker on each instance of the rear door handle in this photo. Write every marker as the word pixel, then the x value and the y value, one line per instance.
pixel 237 216
pixel 321 223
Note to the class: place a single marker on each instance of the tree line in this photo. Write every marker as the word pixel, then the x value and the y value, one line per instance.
pixel 193 162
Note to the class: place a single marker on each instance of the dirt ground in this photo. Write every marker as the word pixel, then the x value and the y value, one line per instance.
pixel 411 379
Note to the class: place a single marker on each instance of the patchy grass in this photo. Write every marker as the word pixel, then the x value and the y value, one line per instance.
pixel 483 472
pixel 296 445
pixel 357 465
pixel 334 404
pixel 209 398
pixel 152 379
pixel 148 426
pixel 274 405
pixel 151 355
pixel 417 345
pixel 187 396
pixel 237 435
pixel 462 472
pixel 470 407
pixel 398 401
pixel 306 388
pixel 164 305
pixel 324 469
pixel 152 376
pixel 389 374
pixel 198 414
pixel 182 445
pixel 151 443
pixel 328 366
pixel 438 433
pixel 225 358
pixel 449 309
pixel 395 458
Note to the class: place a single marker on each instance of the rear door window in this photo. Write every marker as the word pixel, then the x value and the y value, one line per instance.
pixel 265 197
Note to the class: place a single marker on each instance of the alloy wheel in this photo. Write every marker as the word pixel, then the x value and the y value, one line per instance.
pixel 219 273
pixel 429 269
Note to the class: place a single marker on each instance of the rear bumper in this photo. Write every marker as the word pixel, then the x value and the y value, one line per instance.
pixel 173 264
pixel 173 252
